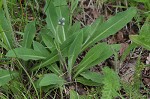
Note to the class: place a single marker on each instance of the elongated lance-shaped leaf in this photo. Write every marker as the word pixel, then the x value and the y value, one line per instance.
pixel 87 82
pixel 97 54
pixel 111 83
pixel 74 28
pixel 47 38
pixel 74 95
pixel 41 49
pixel 74 51
pixel 49 60
pixel 106 54
pixel 4 40
pixel 1 4
pixel 6 31
pixel 63 18
pixel 141 42
pixel 88 31
pixel 55 69
pixel 74 4
pixel 51 19
pixel 57 19
pixel 93 54
pixel 111 26
pixel 143 39
pixel 6 76
pixel 94 76
pixel 54 55
pixel 29 34
pixel 145 29
pixel 51 79
pixel 25 54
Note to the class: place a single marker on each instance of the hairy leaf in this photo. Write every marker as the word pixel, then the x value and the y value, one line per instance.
pixel 1 2
pixel 74 51
pixel 89 30
pixel 51 79
pixel 55 69
pixel 97 54
pixel 51 18
pixel 29 34
pixel 6 76
pixel 111 83
pixel 40 48
pixel 54 55
pixel 87 82
pixel 5 31
pixel 95 77
pixel 48 40
pixel 111 26
pixel 142 42
pixel 25 54
pixel 74 94
pixel 143 39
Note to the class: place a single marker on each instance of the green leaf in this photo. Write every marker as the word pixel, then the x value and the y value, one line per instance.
pixel 25 54
pixel 74 95
pixel 87 82
pixel 49 60
pixel 143 39
pixel 40 48
pixel 95 77
pixel 94 54
pixel 111 83
pixel 5 31
pixel 127 51
pixel 74 4
pixel 55 69
pixel 88 31
pixel 145 29
pixel 29 34
pixel 55 12
pixel 109 51
pixel 51 19
pixel 4 41
pixel 6 76
pixel 54 55
pixel 111 26
pixel 51 79
pixel 74 51
pixel 142 42
pixel 63 12
pixel 74 28
pixel 60 2
pixel 142 1
pixel 48 40
pixel 1 2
